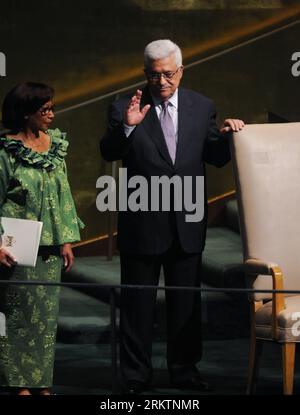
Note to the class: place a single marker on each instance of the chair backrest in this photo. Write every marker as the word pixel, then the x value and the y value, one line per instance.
pixel 266 162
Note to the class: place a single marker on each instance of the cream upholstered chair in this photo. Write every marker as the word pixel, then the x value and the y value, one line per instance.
pixel 266 162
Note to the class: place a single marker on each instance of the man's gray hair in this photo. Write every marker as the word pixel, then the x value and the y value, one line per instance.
pixel 160 49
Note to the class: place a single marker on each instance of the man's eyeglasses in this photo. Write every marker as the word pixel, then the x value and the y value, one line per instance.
pixel 155 76
pixel 46 110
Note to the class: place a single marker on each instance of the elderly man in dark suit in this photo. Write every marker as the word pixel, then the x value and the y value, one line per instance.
pixel 163 130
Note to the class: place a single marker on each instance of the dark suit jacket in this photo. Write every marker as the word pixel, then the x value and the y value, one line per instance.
pixel 145 153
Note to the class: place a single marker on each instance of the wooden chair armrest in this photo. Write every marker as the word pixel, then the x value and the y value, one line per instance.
pixel 255 266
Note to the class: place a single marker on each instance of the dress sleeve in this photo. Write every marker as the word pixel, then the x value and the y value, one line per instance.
pixel 5 174
pixel 73 222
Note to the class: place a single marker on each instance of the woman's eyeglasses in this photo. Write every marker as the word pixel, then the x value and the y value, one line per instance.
pixel 46 110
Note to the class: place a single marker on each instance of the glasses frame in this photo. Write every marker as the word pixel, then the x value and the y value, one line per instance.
pixel 156 76
pixel 45 111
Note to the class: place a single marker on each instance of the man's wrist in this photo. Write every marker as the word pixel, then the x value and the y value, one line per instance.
pixel 128 129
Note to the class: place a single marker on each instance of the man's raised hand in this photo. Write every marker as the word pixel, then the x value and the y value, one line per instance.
pixel 134 114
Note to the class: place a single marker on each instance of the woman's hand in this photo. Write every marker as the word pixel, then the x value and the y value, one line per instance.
pixel 68 256
pixel 6 258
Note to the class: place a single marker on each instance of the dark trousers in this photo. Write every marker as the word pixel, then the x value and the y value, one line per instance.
pixel 184 346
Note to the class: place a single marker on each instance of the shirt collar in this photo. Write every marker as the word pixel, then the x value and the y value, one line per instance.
pixel 173 100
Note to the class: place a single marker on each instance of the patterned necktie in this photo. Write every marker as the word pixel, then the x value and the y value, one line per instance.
pixel 167 126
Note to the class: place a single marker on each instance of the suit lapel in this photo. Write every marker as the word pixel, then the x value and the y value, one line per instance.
pixel 152 126
pixel 185 114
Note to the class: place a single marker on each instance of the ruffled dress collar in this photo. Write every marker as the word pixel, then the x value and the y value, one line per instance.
pixel 48 160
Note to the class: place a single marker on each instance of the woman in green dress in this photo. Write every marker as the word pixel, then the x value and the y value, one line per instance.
pixel 33 185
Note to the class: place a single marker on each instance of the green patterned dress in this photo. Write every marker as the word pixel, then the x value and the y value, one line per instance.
pixel 34 186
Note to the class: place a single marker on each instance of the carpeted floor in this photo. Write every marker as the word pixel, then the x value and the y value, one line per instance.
pixel 85 369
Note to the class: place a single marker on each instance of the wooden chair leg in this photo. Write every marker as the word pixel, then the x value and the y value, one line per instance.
pixel 254 357
pixel 288 364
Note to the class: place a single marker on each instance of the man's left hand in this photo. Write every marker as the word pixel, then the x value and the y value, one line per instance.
pixel 231 124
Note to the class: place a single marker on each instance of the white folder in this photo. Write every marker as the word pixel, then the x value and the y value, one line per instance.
pixel 21 238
